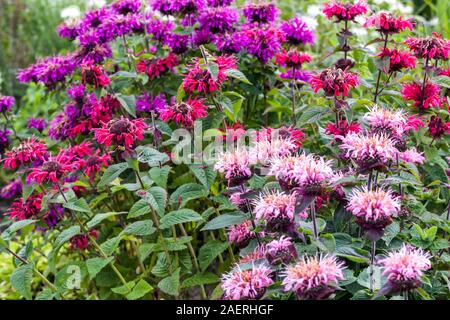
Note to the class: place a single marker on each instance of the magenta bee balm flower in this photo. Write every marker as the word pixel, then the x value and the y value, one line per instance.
pixel 6 103
pixel 434 47
pixel 52 170
pixel 344 11
pixel 241 284
pixel 334 81
pixel 423 97
pixel 406 267
pixel 26 153
pixel 261 12
pixel 388 23
pixel 121 132
pixel 241 234
pixel 185 113
pixel 313 278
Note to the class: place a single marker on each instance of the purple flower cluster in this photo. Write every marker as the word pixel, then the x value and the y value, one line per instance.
pixel 6 103
pixel 218 19
pixel 297 31
pixel 36 123
pixel 11 190
pixel 263 12
pixel 148 104
pixel 4 141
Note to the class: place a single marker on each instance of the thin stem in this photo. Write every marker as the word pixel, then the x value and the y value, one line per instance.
pixel 313 217
pixel 125 48
pixel 140 179
pixel 252 217
pixel 294 120
pixel 372 262
pixel 379 72
pixel 194 259
pixel 11 125
pixel 369 181
pixel 346 39
pixel 424 82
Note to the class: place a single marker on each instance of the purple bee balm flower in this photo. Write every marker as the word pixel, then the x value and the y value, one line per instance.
pixel 262 12
pixel 4 141
pixel 299 75
pixel 76 92
pixel 148 104
pixel 201 37
pixel 297 31
pixel 219 3
pixel 125 7
pixel 54 215
pixel 36 123
pixel 228 42
pixel 186 7
pixel 6 103
pixel 49 71
pixel 179 43
pixel 94 19
pixel 11 190
pixel 163 6
pixel 218 20
pixel 59 127
pixel 69 29
pixel 159 30
pixel 92 49
pixel 263 43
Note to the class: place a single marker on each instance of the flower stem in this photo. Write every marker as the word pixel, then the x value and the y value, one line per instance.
pixel 252 217
pixel 379 72
pixel 372 261
pixel 12 126
pixel 313 218
pixel 294 120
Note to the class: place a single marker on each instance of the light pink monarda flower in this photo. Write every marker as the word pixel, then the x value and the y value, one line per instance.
pixel 313 278
pixel 386 120
pixel 241 234
pixel 275 209
pixel 241 284
pixel 234 165
pixel 368 151
pixel 405 267
pixel 281 251
pixel 411 156
pixel 373 209
pixel 266 149
pixel 308 173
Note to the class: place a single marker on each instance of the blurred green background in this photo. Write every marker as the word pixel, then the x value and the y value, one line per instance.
pixel 27 27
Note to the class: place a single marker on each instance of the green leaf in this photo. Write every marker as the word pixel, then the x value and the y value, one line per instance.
pixel 156 197
pixel 391 232
pixel 145 250
pixel 179 216
pixel 235 73
pixel 442 81
pixel 312 115
pixel 160 175
pixel 140 228
pixel 210 251
pixel 151 156
pixel 16 226
pixel 100 217
pixel 352 254
pixel 138 209
pixel 125 289
pixel 180 93
pixel 95 265
pixel 112 173
pixel 187 192
pixel 223 221
pixel 128 103
pixel 65 236
pixel 140 290
pixel 21 279
pixel 363 278
pixel 200 279
pixel 79 205
pixel 110 245
pixel 213 69
pixel 171 284
pixel 206 175
pixel 45 294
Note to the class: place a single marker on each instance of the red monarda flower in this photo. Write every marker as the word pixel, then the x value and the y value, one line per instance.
pixel 387 23
pixel 342 128
pixel 398 60
pixel 22 210
pixel 81 241
pixel 437 127
pixel 445 72
pixel 93 164
pixel 433 47
pixel 185 112
pixel 121 132
pixel 292 58
pixel 27 152
pixel 154 68
pixel 52 170
pixel 200 79
pixel 94 75
pixel 334 81
pixel 428 97
pixel 78 151
pixel 344 11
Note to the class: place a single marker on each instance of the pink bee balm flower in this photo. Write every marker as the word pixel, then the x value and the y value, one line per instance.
pixel 234 165
pixel 26 153
pixel 411 156
pixel 266 149
pixel 368 151
pixel 276 210
pixel 405 267
pixel 388 23
pixel 427 98
pixel 28 209
pixel 185 112
pixel 334 81
pixel 246 284
pixel 313 278
pixel 52 170
pixel 398 60
pixel 121 132
pixel 281 251
pixel 344 11
pixel 373 209
pixel 433 47
pixel 383 120
pixel 241 234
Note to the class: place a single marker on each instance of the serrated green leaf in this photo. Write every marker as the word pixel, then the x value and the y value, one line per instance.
pixel 210 251
pixel 139 290
pixel 223 221
pixel 112 173
pixel 21 280
pixel 140 228
pixel 200 279
pixel 171 284
pixel 179 216
pixel 16 226
pixel 95 265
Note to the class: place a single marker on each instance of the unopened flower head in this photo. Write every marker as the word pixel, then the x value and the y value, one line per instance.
pixel 373 209
pixel 406 267
pixel 313 278
pixel 247 284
